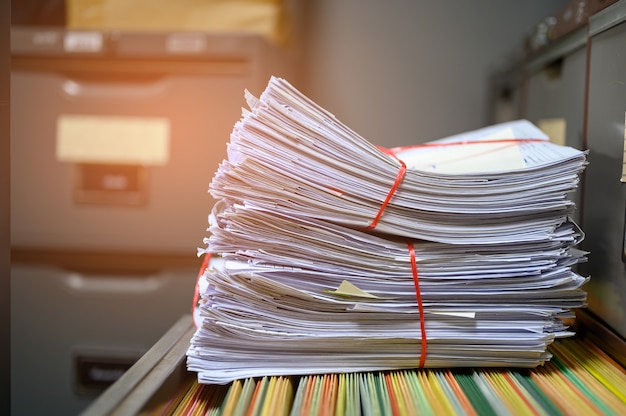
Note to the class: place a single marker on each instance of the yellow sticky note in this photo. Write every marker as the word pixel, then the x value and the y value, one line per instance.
pixel 348 289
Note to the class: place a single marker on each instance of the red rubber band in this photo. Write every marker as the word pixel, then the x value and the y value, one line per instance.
pixel 399 149
pixel 196 291
pixel 420 306
pixel 396 184
pixel 392 191
pixel 402 171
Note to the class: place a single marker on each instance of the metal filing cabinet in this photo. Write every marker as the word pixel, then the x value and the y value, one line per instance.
pixel 75 333
pixel 505 94
pixel 555 89
pixel 167 103
pixel 114 140
pixel 605 192
pixel 555 82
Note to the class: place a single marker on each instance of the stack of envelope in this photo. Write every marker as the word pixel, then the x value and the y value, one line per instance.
pixel 332 255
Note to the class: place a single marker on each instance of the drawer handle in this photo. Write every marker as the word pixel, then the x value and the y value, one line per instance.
pixel 113 284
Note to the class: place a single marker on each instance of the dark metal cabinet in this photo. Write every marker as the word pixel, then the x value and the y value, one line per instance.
pixel 555 93
pixel 605 192
pixel 104 234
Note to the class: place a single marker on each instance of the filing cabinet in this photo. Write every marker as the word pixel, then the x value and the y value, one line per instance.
pixel 604 188
pixel 114 140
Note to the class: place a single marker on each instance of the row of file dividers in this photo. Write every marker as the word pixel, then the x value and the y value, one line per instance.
pixel 581 378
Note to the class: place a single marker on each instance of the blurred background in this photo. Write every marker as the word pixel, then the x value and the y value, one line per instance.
pixel 405 72
pixel 120 114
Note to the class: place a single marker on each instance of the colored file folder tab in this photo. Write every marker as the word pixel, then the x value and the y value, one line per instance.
pixel 579 379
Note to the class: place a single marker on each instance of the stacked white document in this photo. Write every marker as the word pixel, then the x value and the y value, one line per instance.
pixel 330 254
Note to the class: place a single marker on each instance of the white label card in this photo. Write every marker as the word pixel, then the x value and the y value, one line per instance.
pixel 113 139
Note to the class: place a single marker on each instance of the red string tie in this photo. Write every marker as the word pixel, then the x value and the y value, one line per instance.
pixel 196 292
pixel 420 305
pixel 392 191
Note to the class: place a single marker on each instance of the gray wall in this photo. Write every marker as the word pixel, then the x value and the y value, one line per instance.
pixel 406 71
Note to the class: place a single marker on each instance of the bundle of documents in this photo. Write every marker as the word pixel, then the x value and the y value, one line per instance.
pixel 332 255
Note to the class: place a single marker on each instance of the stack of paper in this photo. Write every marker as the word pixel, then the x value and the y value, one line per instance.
pixel 339 256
